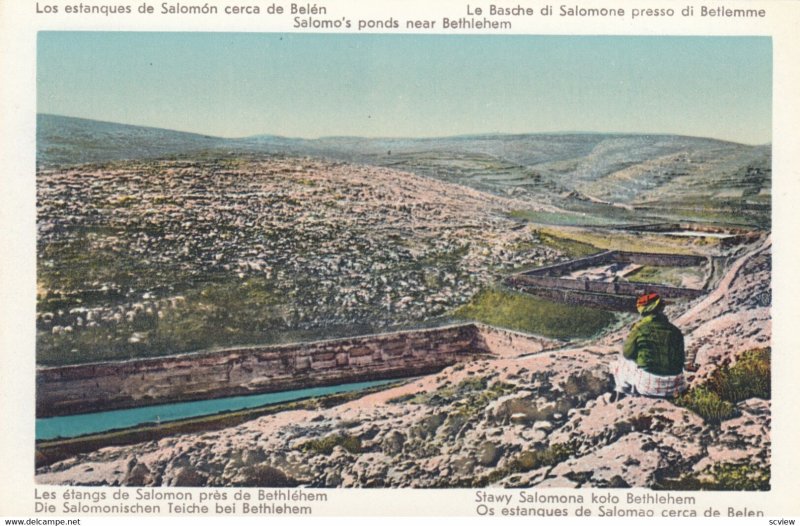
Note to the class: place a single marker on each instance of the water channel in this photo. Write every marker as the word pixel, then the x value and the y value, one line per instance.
pixel 76 425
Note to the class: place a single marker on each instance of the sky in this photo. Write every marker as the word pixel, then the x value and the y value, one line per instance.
pixel 312 85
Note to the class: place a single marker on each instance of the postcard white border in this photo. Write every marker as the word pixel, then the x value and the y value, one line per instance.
pixel 18 28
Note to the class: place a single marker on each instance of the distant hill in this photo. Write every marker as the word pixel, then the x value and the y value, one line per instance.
pixel 68 140
pixel 569 170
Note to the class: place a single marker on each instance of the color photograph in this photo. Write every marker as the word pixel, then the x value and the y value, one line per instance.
pixel 292 260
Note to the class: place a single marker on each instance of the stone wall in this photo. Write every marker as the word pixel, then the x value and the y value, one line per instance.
pixel 559 269
pixel 618 256
pixel 216 374
pixel 503 342
pixel 617 288
pixel 694 227
pixel 659 260
pixel 736 236
pixel 548 282
pixel 617 302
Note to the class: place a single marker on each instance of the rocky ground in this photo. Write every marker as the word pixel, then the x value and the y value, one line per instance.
pixel 544 420
pixel 142 257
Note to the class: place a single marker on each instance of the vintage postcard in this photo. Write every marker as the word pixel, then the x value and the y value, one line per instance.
pixel 290 259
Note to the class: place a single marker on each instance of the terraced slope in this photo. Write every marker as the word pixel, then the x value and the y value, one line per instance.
pixel 673 176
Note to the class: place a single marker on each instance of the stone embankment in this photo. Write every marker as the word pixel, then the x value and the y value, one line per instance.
pixel 215 374
pixel 543 420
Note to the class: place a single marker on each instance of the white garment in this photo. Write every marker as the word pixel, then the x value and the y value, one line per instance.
pixel 632 379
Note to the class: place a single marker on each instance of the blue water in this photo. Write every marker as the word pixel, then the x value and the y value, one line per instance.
pixel 76 425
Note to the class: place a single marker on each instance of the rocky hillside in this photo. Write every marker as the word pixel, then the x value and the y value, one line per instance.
pixel 543 420
pixel 728 181
pixel 152 257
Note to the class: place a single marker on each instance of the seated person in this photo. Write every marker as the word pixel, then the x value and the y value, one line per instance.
pixel 653 357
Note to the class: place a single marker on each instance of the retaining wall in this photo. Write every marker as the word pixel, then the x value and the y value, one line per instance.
pixel 618 256
pixel 659 260
pixel 604 287
pixel 695 227
pixel 737 235
pixel 216 374
pixel 548 282
pixel 559 269
pixel 504 342
pixel 579 297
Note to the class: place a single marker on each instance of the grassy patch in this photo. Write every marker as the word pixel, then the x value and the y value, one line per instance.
pixel 213 314
pixel 610 213
pixel 715 400
pixel 720 212
pixel 665 275
pixel 749 377
pixel 325 446
pixel 526 313
pixel 528 461
pixel 618 240
pixel 464 402
pixel 722 477
pixel 559 218
pixel 707 404
pixel 567 246
pixel 536 458
pixel 471 392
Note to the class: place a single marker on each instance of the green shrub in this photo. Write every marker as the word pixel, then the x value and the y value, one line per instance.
pixel 324 446
pixel 408 397
pixel 536 458
pixel 707 404
pixel 715 400
pixel 473 394
pixel 264 476
pixel 744 477
pixel 749 377
pixel 722 477
pixel 528 461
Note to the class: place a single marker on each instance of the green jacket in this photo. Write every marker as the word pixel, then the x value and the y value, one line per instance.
pixel 656 345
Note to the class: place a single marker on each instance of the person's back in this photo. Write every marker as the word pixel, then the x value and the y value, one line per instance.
pixel 653 357
pixel 656 346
